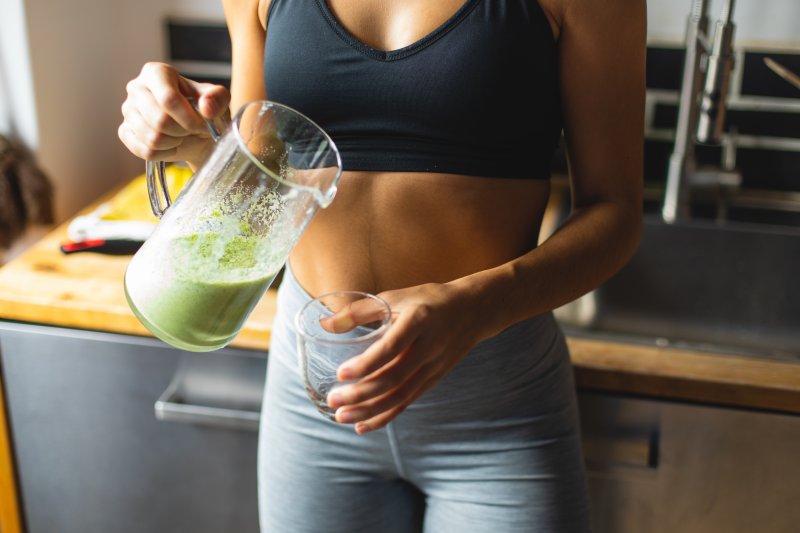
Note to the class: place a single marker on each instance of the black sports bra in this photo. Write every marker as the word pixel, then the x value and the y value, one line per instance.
pixel 477 96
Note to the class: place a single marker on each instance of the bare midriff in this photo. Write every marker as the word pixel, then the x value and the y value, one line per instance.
pixel 390 230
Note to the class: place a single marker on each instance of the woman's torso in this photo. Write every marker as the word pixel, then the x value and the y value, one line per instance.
pixel 392 229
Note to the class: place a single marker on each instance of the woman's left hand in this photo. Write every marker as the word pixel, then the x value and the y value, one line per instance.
pixel 434 326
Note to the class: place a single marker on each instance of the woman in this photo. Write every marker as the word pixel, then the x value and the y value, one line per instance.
pixel 447 114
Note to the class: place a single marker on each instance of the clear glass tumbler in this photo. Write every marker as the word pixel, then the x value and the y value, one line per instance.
pixel 330 330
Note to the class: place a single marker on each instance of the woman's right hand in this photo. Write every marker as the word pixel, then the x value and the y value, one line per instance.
pixel 160 124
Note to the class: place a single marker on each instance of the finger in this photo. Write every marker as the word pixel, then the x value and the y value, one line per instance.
pixel 399 397
pixel 155 140
pixel 143 103
pixel 358 313
pixel 170 91
pixel 393 375
pixel 399 337
pixel 213 101
pixel 380 420
pixel 138 148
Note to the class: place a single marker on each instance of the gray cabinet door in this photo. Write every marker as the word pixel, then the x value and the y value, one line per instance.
pixel 663 467
pixel 93 458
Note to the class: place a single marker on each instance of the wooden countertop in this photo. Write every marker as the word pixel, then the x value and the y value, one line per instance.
pixel 85 290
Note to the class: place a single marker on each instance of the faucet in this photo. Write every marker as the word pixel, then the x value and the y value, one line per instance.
pixel 701 112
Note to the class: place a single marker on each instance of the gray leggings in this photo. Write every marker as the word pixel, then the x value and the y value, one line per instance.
pixel 492 448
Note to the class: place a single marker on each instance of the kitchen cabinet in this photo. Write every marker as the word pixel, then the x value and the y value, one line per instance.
pixel 91 454
pixel 666 467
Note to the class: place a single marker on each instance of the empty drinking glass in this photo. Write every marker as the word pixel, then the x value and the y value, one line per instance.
pixel 330 330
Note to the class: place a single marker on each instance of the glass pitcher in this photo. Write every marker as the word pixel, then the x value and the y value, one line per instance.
pixel 218 247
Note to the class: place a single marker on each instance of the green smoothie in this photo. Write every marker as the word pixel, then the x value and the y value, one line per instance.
pixel 215 286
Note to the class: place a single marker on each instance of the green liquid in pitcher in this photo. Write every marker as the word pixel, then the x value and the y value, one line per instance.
pixel 215 286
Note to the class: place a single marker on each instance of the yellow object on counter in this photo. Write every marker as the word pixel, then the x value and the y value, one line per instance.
pixel 132 201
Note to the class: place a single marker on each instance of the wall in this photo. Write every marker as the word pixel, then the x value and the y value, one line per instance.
pixel 17 106
pixel 774 23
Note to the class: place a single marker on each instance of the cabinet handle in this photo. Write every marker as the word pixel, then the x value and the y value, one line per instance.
pixel 622 453
pixel 169 408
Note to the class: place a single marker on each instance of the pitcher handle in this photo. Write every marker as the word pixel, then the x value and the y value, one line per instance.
pixel 156 172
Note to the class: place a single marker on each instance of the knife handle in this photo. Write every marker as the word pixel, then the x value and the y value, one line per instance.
pixel 109 247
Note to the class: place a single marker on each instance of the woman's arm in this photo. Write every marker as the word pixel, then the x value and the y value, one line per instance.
pixel 244 20
pixel 602 64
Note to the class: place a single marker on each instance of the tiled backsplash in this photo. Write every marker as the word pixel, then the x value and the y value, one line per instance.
pixel 763 114
pixel 763 121
pixel 759 80
pixel 763 111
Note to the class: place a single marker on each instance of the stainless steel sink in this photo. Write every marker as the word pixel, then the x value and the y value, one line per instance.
pixel 733 288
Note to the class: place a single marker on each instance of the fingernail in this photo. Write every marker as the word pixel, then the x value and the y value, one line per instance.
pixel 345 417
pixel 335 399
pixel 362 428
pixel 343 323
pixel 345 373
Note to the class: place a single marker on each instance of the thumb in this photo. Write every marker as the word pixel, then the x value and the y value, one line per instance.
pixel 340 322
pixel 212 100
pixel 363 312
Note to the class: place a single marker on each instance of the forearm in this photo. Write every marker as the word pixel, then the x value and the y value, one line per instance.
pixel 592 245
